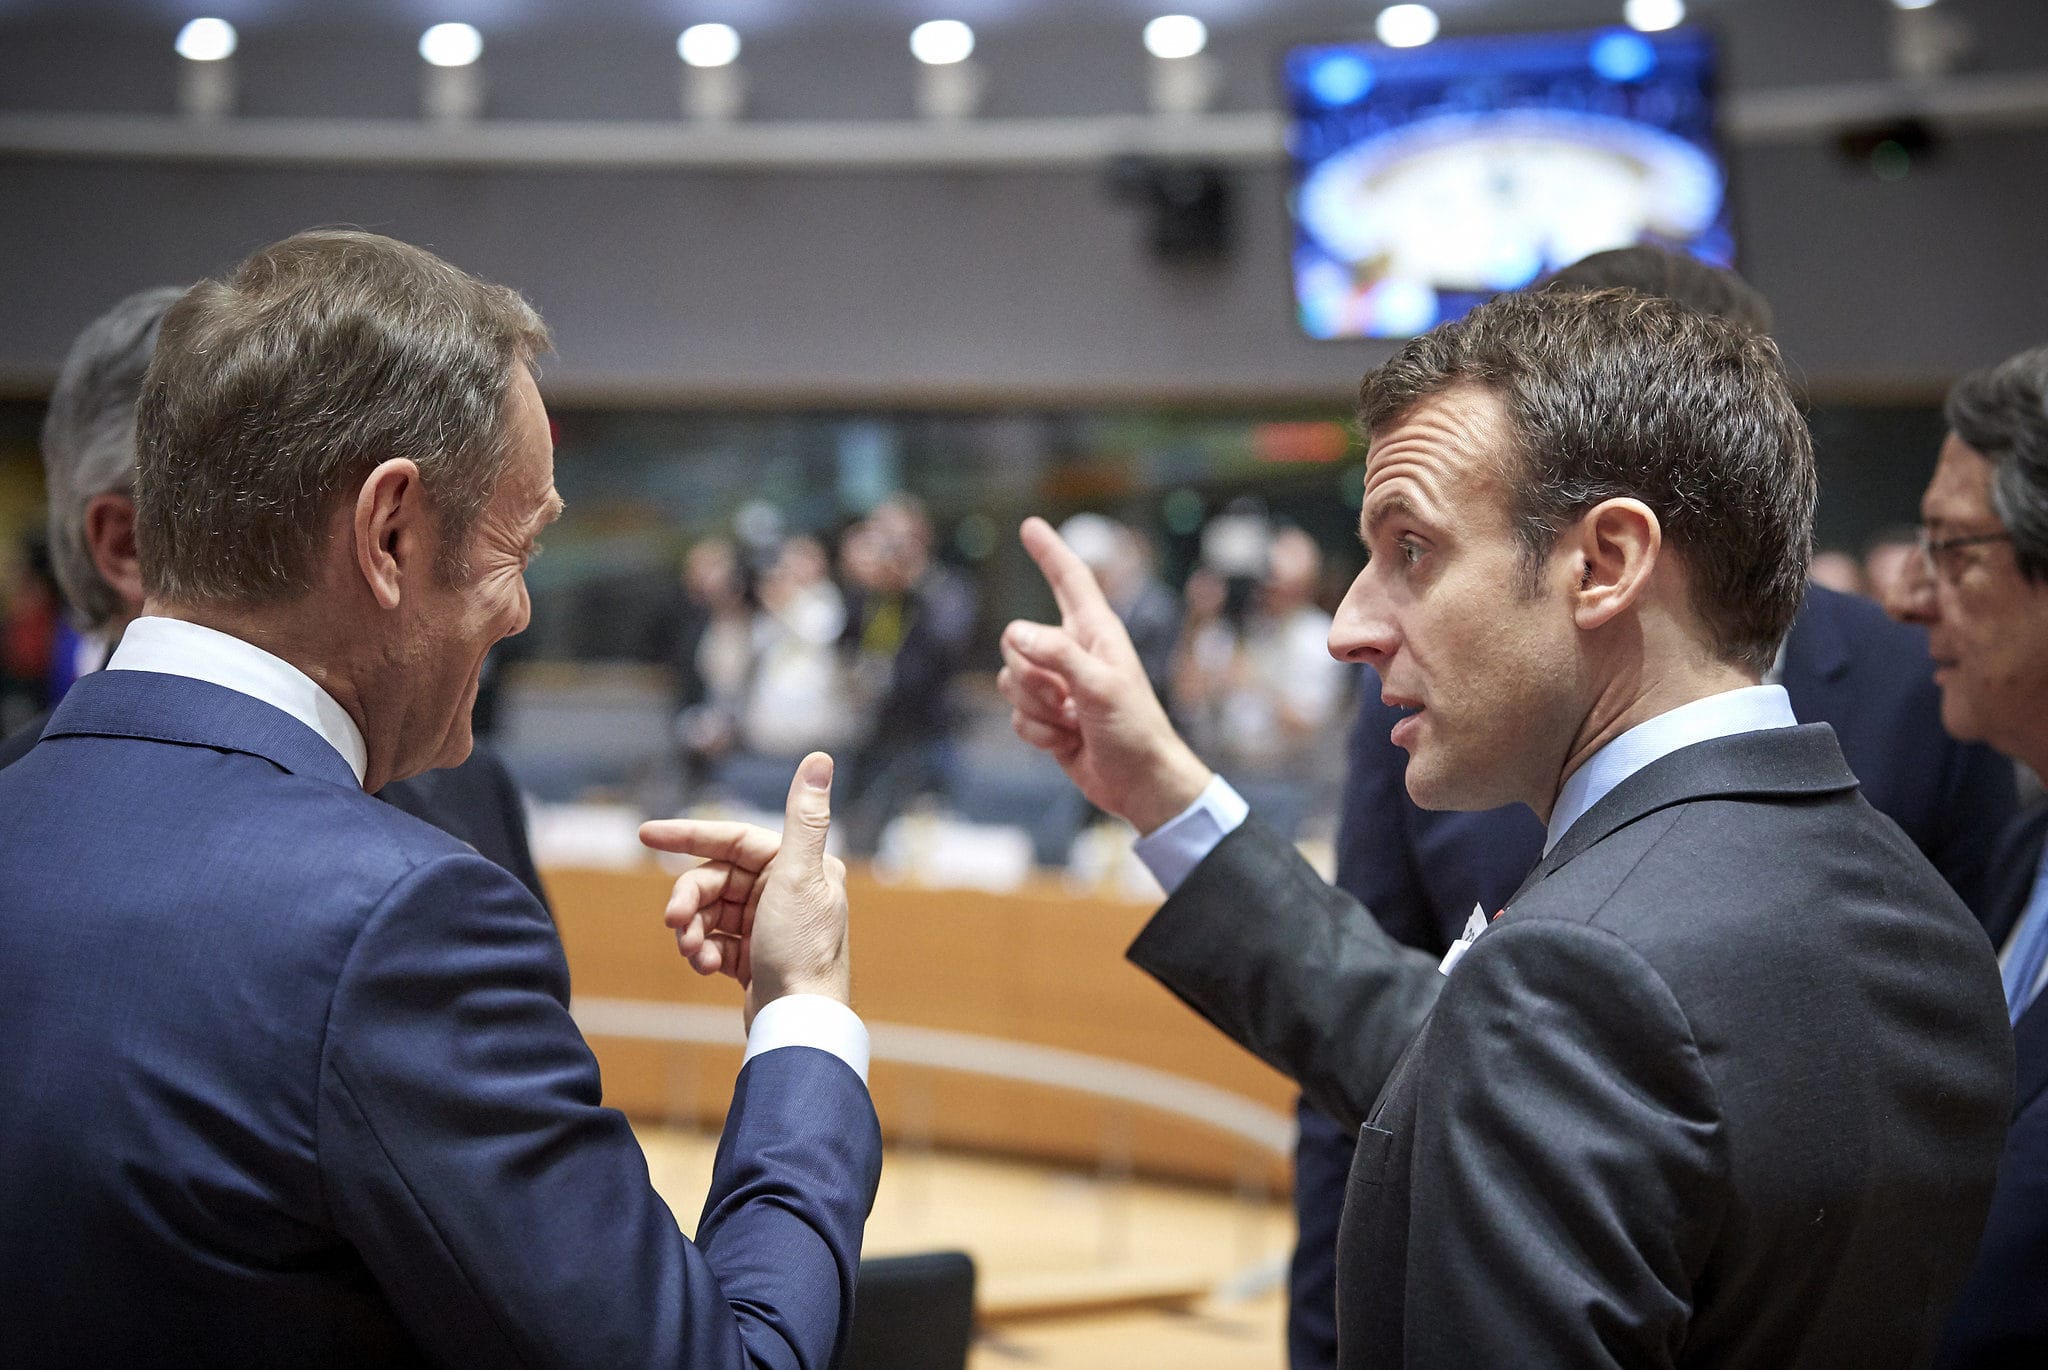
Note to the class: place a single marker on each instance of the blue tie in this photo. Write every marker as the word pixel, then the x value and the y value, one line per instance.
pixel 2029 947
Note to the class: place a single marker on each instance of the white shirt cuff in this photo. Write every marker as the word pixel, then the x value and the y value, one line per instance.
pixel 1173 849
pixel 810 1020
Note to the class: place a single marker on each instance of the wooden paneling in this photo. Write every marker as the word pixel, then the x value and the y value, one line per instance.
pixel 1041 967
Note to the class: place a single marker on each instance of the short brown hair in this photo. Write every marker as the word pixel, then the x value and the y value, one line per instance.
pixel 276 389
pixel 1612 394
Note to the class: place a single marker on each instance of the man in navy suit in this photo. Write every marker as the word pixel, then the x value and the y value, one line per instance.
pixel 287 1076
pixel 1980 588
pixel 1421 872
pixel 88 447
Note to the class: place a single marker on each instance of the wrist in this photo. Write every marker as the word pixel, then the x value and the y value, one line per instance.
pixel 1177 781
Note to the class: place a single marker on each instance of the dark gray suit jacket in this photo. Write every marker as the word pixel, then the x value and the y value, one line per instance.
pixel 1725 1085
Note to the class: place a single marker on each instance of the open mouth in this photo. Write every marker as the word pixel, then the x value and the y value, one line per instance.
pixel 1405 728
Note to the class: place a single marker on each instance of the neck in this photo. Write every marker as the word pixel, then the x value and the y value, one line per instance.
pixel 291 634
pixel 1633 698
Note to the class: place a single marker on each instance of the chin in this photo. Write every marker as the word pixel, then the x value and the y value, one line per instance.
pixel 1957 719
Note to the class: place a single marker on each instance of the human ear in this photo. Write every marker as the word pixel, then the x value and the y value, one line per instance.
pixel 110 541
pixel 389 527
pixel 1615 546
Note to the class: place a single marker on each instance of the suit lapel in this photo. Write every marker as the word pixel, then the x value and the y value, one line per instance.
pixel 175 709
pixel 1776 761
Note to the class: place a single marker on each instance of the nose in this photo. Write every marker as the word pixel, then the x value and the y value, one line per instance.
pixel 1911 598
pixel 1363 630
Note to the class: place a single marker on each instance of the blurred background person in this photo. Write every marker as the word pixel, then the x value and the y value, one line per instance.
pixel 1124 565
pixel 909 630
pixel 1889 560
pixel 1838 571
pixel 1259 687
pixel 798 700
pixel 714 658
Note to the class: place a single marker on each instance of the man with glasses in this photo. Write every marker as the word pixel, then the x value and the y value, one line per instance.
pixel 1980 587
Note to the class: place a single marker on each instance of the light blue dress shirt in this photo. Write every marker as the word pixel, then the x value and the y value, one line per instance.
pixel 1176 847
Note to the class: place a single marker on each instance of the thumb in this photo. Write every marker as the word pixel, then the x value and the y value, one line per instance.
pixel 808 815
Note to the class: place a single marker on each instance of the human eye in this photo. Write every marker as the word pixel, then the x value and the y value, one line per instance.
pixel 1409 550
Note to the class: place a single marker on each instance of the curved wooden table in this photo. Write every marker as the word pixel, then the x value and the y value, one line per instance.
pixel 1007 1023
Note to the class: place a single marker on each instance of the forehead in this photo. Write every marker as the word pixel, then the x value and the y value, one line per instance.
pixel 1961 489
pixel 529 475
pixel 1452 449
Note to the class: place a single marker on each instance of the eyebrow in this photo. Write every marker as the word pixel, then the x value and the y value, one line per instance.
pixel 1392 506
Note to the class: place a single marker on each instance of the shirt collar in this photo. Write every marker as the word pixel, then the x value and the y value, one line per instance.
pixel 172 646
pixel 1752 708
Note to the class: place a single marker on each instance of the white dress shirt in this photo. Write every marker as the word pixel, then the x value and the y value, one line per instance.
pixel 1176 847
pixel 174 647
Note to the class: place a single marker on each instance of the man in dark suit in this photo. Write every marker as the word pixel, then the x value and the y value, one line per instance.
pixel 287 1076
pixel 1980 588
pixel 1725 1083
pixel 1844 664
pixel 88 452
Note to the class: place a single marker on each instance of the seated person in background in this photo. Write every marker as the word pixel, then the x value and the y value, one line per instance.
pixel 1979 586
pixel 1421 872
pixel 287 1076
pixel 1725 1083
pixel 89 467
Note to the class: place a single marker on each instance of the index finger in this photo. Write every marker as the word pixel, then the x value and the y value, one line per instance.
pixel 742 844
pixel 1074 587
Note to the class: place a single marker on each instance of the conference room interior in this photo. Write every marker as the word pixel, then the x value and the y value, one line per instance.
pixel 831 301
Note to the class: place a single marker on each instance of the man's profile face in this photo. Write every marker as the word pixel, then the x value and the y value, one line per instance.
pixel 1445 612
pixel 460 624
pixel 1987 625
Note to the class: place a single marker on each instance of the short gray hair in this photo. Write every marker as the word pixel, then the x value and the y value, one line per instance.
pixel 276 389
pixel 89 440
pixel 2002 413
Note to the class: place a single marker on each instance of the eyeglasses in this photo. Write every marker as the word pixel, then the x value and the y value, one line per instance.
pixel 1939 555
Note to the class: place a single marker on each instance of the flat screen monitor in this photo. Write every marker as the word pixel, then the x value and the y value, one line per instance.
pixel 1426 180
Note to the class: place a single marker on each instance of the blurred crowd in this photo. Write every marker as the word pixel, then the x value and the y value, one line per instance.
pixel 780 642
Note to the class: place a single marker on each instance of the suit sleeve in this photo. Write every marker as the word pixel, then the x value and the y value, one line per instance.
pixel 1291 968
pixel 508 1217
pixel 1562 1145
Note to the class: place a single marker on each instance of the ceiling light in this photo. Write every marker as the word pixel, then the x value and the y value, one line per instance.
pixel 451 45
pixel 206 40
pixel 1654 16
pixel 941 42
pixel 1912 4
pixel 709 45
pixel 1176 35
pixel 1406 26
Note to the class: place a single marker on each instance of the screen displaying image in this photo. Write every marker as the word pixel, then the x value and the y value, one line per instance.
pixel 1427 180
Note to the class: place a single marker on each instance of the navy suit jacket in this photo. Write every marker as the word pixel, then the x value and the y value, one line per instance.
pixel 1420 872
pixel 2001 1320
pixel 477 801
pixel 288 1077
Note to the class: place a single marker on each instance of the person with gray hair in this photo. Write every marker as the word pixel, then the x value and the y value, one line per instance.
pixel 1980 588
pixel 89 462
pixel 288 1077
